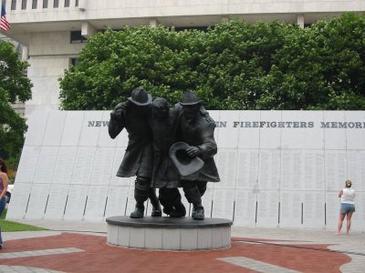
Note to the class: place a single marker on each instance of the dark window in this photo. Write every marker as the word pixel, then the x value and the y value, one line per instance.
pixel 55 3
pixel 201 28
pixel 74 61
pixel 34 4
pixel 77 38
pixel 67 3
pixel 45 4
pixel 307 25
pixel 13 4
pixel 24 4
pixel 76 3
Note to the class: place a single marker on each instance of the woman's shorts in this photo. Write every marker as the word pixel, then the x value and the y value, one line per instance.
pixel 347 208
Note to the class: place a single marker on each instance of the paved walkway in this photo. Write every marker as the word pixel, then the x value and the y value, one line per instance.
pixel 81 247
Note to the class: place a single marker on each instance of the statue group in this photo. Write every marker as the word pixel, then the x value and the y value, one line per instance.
pixel 168 148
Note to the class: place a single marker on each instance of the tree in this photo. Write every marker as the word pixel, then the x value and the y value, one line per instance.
pixel 321 67
pixel 115 62
pixel 14 86
pixel 234 66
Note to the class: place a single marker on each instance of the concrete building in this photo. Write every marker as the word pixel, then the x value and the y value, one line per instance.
pixel 54 31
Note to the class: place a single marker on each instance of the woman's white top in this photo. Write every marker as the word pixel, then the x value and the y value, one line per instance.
pixel 348 196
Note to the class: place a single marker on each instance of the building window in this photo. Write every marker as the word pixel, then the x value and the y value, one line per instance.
pixel 77 38
pixel 13 4
pixel 24 4
pixel 74 61
pixel 67 3
pixel 34 4
pixel 55 3
pixel 76 3
pixel 307 25
pixel 45 4
pixel 201 28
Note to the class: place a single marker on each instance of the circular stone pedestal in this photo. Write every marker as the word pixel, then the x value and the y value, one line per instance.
pixel 169 233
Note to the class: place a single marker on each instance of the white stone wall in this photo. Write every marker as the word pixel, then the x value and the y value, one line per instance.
pixel 270 176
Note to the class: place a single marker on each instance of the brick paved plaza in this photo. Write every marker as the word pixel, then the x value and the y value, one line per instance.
pixel 253 250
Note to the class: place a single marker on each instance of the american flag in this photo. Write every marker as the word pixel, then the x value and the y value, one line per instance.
pixel 4 24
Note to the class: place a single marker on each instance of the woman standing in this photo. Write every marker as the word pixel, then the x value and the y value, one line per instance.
pixel 347 196
pixel 4 180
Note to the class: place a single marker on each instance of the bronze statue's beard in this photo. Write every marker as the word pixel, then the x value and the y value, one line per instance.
pixel 189 119
pixel 138 111
pixel 160 115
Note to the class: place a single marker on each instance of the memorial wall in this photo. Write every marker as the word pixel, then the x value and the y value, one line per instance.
pixel 278 168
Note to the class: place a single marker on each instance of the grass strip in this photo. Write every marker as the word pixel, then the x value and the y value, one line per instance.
pixel 9 226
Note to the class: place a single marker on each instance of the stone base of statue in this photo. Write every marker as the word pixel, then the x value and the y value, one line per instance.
pixel 166 233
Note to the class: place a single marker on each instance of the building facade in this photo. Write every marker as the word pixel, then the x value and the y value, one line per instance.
pixel 54 31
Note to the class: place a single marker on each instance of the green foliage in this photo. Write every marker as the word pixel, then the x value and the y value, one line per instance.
pixel 14 86
pixel 233 65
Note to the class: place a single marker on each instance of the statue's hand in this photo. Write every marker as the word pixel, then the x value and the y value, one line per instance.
pixel 192 151
pixel 117 113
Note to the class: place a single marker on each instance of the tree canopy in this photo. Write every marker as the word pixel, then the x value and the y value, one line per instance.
pixel 14 86
pixel 233 65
